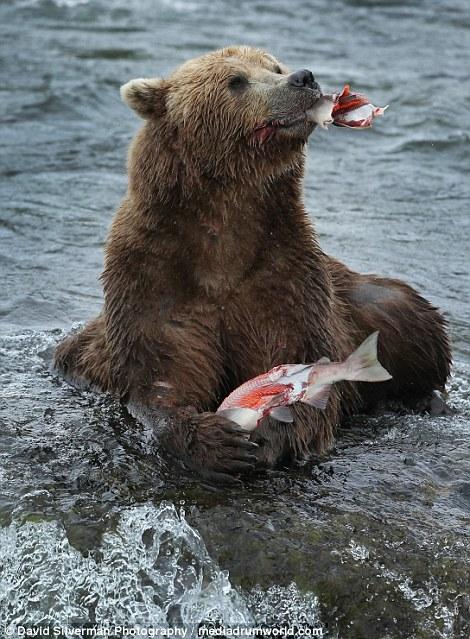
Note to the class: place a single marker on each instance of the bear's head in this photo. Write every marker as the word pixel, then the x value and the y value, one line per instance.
pixel 233 113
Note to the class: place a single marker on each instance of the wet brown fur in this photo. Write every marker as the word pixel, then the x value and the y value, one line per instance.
pixel 213 274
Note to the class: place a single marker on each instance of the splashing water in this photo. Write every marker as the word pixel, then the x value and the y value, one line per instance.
pixel 376 536
pixel 152 569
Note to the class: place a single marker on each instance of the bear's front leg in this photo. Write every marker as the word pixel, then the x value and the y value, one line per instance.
pixel 168 368
pixel 82 357
pixel 210 445
pixel 311 433
pixel 215 448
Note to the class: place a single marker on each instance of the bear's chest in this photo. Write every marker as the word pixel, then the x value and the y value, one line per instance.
pixel 223 252
pixel 262 327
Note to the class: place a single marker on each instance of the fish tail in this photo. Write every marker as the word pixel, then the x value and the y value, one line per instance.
pixel 363 365
pixel 319 397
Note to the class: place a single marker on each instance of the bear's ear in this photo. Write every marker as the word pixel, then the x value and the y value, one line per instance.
pixel 146 96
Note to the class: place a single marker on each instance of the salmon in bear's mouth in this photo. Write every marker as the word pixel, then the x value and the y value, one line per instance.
pixel 265 130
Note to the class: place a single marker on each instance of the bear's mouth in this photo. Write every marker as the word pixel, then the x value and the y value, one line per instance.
pixel 266 130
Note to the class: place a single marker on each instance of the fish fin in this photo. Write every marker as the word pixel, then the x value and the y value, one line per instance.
pixel 319 399
pixel 380 110
pixel 323 360
pixel 282 414
pixel 295 369
pixel 245 417
pixel 363 365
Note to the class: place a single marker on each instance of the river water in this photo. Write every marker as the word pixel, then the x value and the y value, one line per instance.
pixel 370 541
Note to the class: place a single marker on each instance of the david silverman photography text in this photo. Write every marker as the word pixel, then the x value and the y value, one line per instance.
pixel 163 631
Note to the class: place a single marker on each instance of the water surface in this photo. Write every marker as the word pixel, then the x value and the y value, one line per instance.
pixel 372 540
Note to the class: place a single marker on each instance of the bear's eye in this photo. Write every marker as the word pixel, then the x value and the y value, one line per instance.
pixel 277 69
pixel 238 82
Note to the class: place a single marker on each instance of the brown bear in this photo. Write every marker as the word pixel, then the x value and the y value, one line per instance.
pixel 213 273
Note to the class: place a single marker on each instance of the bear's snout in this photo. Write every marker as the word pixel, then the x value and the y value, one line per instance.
pixel 302 79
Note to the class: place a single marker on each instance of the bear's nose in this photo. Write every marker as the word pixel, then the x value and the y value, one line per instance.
pixel 302 78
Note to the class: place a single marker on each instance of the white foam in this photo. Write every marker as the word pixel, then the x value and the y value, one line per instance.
pixel 423 597
pixel 358 552
pixel 153 562
pixel 285 606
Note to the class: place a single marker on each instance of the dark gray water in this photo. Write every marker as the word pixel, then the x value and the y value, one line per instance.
pixel 373 540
